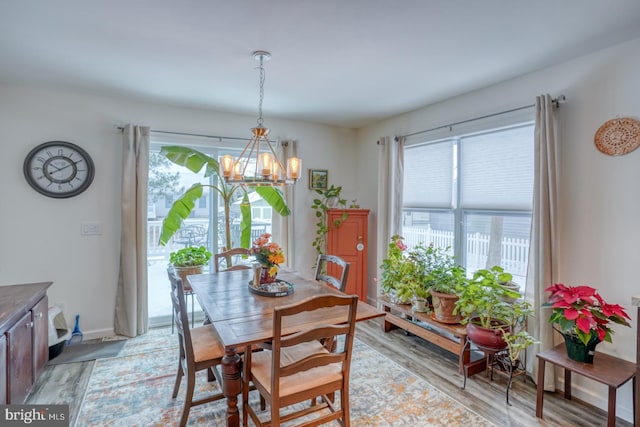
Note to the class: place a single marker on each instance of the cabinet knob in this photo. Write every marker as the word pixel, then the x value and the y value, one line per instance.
pixel 38 315
pixel 29 325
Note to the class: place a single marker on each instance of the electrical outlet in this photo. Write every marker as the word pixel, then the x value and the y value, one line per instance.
pixel 91 229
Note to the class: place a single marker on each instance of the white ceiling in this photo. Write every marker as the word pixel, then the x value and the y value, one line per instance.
pixel 341 62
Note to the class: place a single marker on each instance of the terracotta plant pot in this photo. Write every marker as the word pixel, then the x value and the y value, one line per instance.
pixel 486 338
pixel 443 306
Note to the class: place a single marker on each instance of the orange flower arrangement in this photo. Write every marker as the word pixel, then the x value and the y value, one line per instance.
pixel 267 253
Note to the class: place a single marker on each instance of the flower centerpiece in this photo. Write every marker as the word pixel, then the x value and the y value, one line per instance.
pixel 269 254
pixel 583 317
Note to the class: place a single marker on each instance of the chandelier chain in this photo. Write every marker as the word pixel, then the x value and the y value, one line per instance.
pixel 258 164
pixel 260 119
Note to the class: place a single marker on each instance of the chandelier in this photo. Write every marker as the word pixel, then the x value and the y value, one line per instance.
pixel 258 164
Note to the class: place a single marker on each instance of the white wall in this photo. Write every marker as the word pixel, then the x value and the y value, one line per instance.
pixel 599 198
pixel 40 236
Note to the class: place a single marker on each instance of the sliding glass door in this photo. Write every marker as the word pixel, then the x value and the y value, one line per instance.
pixel 204 227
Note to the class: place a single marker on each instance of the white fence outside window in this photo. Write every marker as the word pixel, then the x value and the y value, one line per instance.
pixel 514 251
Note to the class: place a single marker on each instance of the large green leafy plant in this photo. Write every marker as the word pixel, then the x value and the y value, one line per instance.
pixel 485 300
pixel 195 161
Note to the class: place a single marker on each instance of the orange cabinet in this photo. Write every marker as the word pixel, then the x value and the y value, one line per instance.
pixel 349 241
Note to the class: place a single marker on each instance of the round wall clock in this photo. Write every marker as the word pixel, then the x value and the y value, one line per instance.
pixel 59 169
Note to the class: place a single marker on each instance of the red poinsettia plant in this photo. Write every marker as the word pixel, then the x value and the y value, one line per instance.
pixel 582 312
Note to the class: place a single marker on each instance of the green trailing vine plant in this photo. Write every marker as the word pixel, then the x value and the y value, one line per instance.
pixel 321 205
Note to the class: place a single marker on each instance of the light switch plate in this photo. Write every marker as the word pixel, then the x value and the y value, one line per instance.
pixel 91 229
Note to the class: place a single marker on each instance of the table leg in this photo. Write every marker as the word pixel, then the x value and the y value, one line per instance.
pixel 387 326
pixel 567 384
pixel 636 379
pixel 611 416
pixel 231 384
pixel 636 396
pixel 540 390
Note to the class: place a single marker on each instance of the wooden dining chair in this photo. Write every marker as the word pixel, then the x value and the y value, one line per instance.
pixel 200 349
pixel 227 257
pixel 298 368
pixel 322 271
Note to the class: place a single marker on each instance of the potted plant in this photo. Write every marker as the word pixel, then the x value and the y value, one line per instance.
pixel 484 309
pixel 583 318
pixel 444 278
pixel 189 260
pixel 329 198
pixel 403 275
pixel 195 161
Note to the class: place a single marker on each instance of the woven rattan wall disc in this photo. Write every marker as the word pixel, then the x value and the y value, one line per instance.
pixel 618 136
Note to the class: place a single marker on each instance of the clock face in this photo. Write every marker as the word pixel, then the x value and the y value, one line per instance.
pixel 59 169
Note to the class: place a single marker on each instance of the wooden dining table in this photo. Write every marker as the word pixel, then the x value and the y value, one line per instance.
pixel 242 318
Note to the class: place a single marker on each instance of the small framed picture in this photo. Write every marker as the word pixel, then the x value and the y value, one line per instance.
pixel 318 179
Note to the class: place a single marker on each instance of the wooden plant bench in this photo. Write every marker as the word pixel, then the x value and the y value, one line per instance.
pixel 449 337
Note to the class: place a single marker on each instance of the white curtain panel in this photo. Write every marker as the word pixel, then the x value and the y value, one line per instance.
pixel 389 212
pixel 542 271
pixel 283 225
pixel 131 314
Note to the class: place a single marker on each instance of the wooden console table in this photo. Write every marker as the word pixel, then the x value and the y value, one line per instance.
pixel 449 337
pixel 605 369
pixel 636 393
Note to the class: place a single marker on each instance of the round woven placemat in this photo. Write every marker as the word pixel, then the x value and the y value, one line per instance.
pixel 618 136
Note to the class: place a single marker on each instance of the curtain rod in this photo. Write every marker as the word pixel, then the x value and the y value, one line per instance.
pixel 556 101
pixel 121 128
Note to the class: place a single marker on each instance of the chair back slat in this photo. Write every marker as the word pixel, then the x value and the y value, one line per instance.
pixel 311 362
pixel 227 257
pixel 181 318
pixel 322 271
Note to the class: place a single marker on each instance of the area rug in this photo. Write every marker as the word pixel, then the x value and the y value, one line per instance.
pixel 134 389
pixel 85 352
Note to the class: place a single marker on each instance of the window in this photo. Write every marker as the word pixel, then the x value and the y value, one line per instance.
pixel 472 193
pixel 204 226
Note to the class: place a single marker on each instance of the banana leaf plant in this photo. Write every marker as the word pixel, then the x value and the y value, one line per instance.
pixel 195 160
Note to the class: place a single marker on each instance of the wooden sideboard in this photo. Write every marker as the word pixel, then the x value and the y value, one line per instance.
pixel 24 336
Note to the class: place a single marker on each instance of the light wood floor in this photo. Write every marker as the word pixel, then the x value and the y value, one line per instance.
pixel 440 368
pixel 66 384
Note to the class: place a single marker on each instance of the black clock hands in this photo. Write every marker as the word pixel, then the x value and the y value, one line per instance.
pixel 69 165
